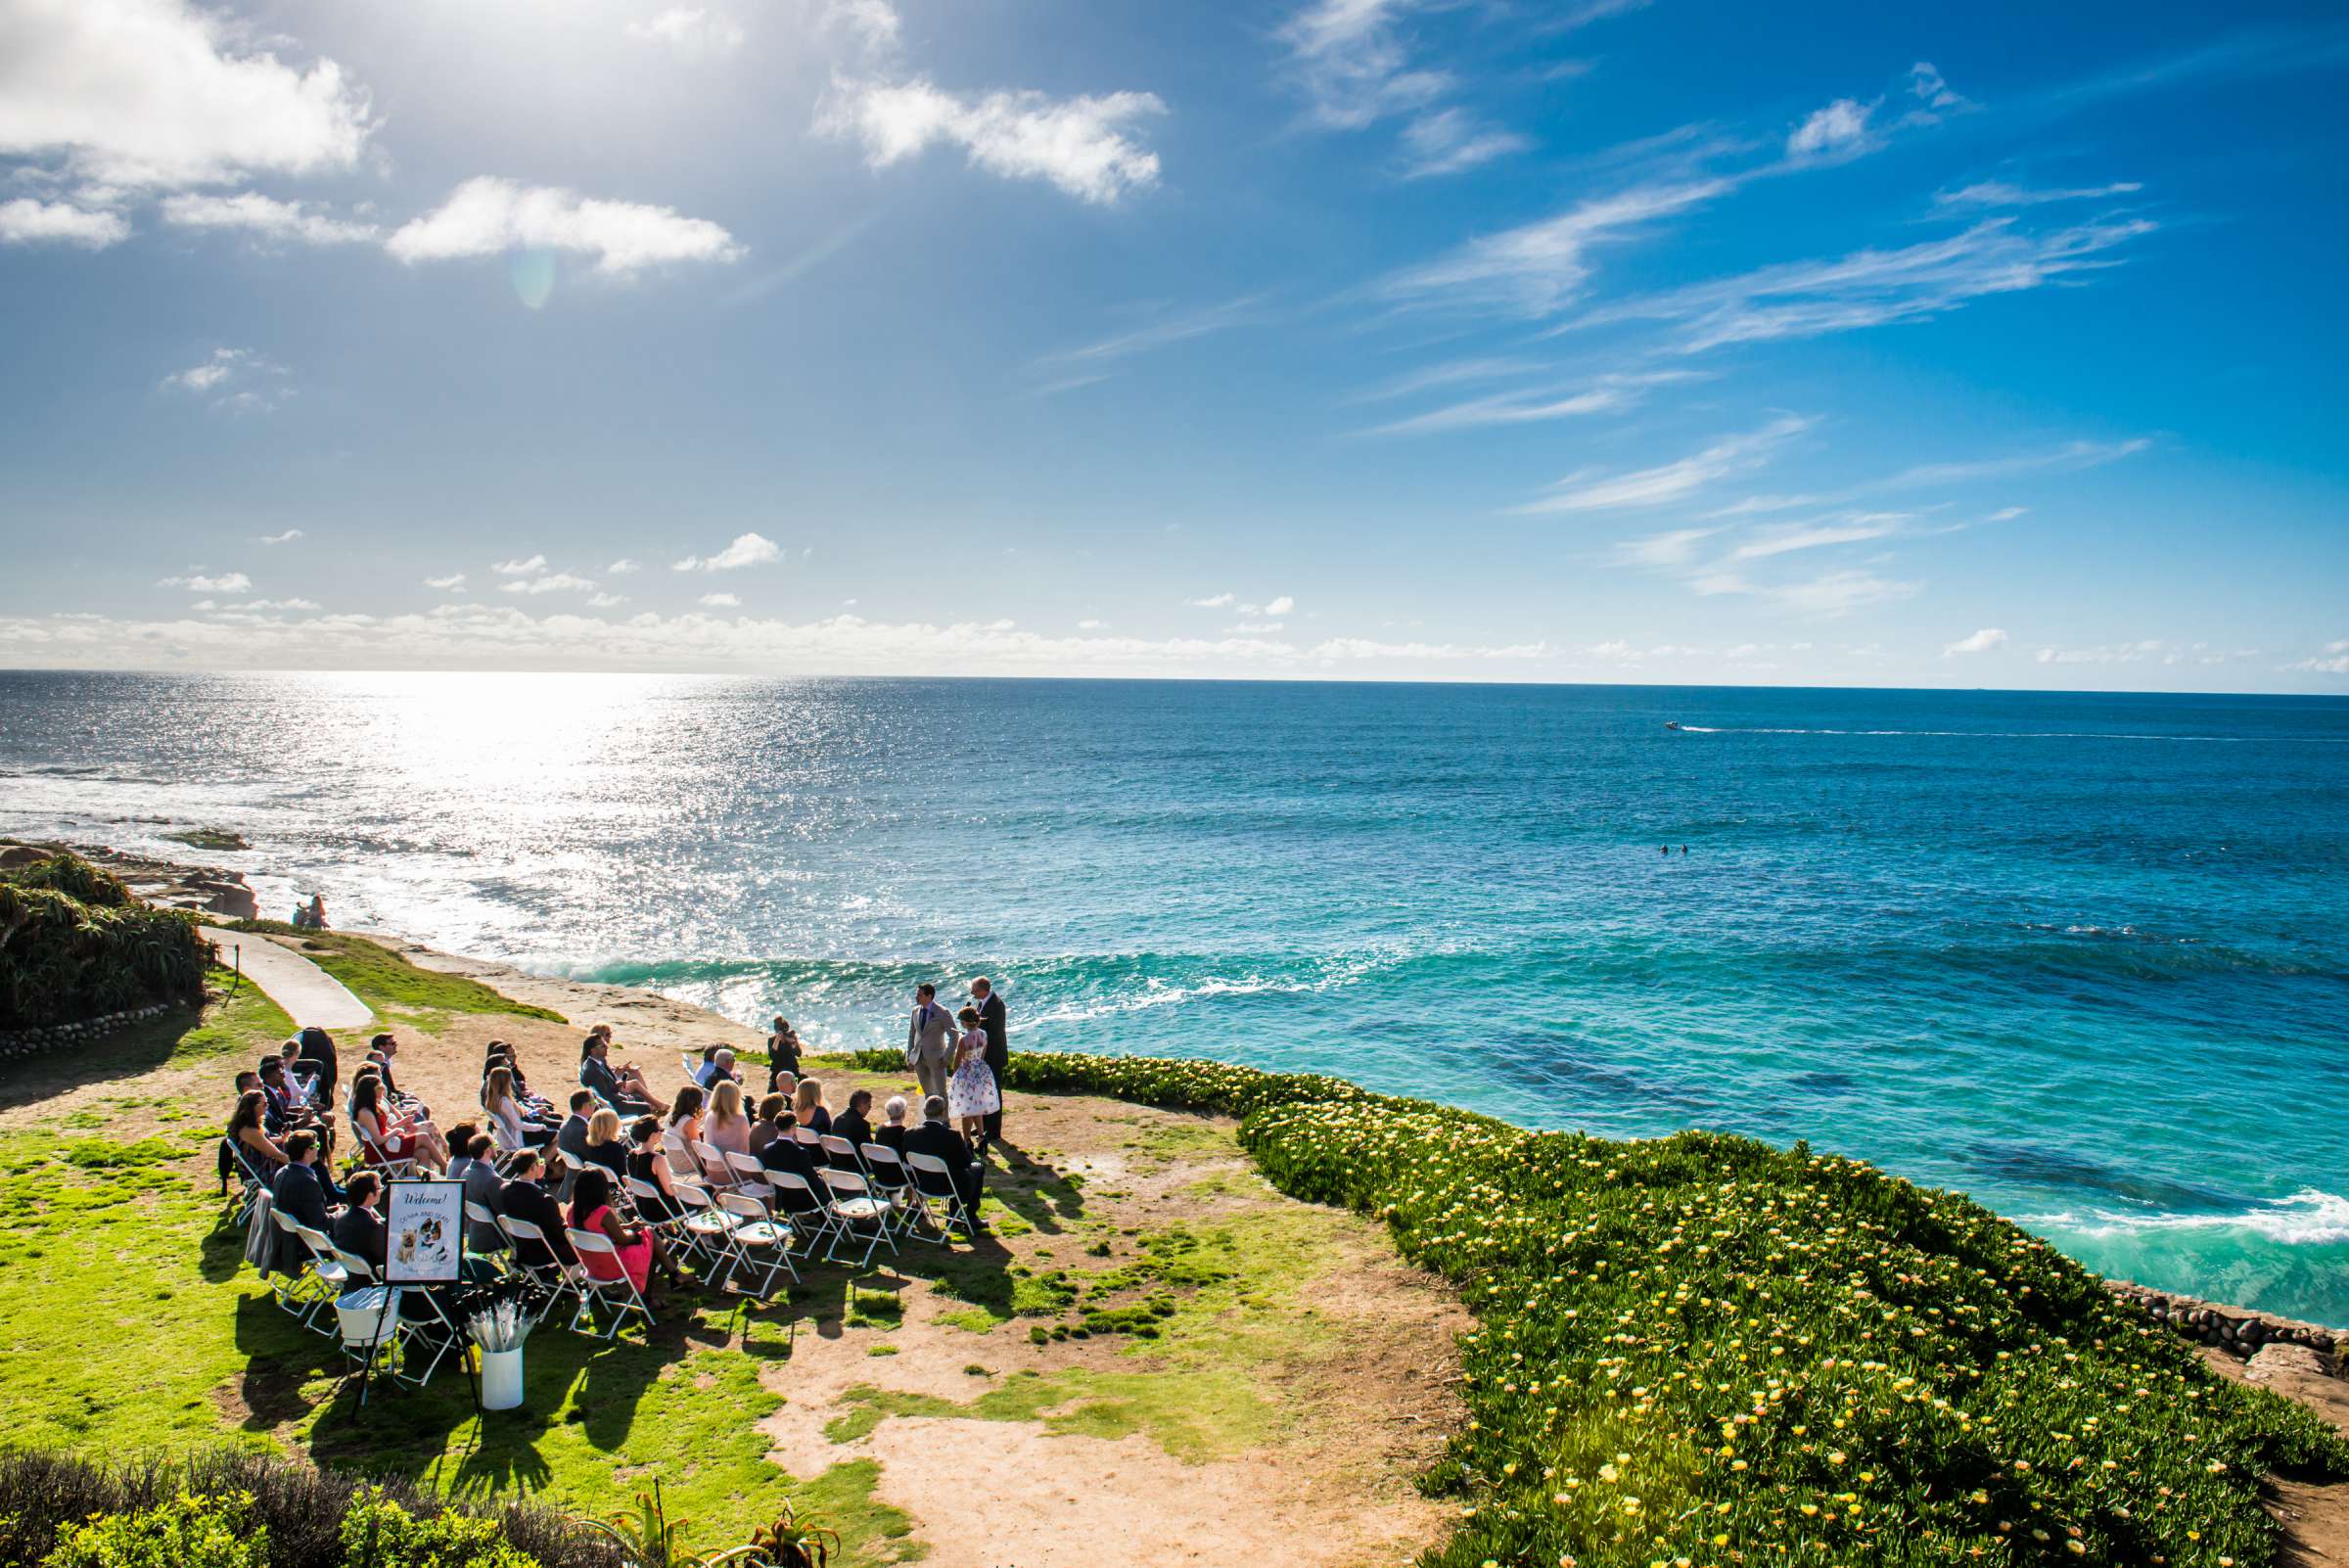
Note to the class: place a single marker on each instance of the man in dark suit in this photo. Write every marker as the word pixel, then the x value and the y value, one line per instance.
pixel 523 1198
pixel 598 1077
pixel 571 1138
pixel 998 1052
pixel 280 1114
pixel 300 1193
pixel 785 1152
pixel 855 1122
pixel 359 1230
pixel 937 1139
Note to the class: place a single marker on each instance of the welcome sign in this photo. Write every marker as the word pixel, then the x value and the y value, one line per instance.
pixel 425 1232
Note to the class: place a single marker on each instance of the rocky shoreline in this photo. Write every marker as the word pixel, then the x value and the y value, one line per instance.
pixel 168 884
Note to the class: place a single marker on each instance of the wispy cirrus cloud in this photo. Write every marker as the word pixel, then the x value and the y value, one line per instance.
pixel 235 379
pixel 1605 394
pixel 1538 269
pixel 1677 481
pixel 550 582
pixel 1163 329
pixel 265 218
pixel 1448 140
pixel 2006 193
pixel 286 538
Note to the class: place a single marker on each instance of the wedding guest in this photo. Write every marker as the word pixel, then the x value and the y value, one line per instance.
pixel 623 1089
pixel 890 1135
pixel 685 1120
pixel 604 1147
pixel 784 1152
pixel 727 1130
pixel 300 1192
pixel 782 1052
pixel 807 1104
pixel 360 1230
pixel 637 1251
pixel 942 1143
pixel 393 1137
pixel 572 1136
pixel 717 1067
pixel 647 1164
pixel 770 1115
pixel 477 1169
pixel 317 1045
pixel 523 1198
pixel 264 1153
pixel 854 1123
pixel 504 1111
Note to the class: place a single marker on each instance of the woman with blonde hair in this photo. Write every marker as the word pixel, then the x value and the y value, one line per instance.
pixel 503 1108
pixel 807 1104
pixel 604 1144
pixel 727 1130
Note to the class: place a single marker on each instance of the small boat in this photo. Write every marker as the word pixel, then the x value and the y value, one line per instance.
pixel 1672 723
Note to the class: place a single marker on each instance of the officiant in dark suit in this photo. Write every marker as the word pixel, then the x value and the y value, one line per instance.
pixel 998 1050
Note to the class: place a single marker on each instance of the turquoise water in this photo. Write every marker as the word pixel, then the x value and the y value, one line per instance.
pixel 2086 957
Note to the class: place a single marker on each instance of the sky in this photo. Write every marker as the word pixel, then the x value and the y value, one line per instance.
pixel 1976 346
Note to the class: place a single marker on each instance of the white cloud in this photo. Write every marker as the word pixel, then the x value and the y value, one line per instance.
pixel 1674 481
pixel 1091 625
pixel 1282 606
pixel 691 32
pixel 26 221
pixel 1926 86
pixel 1448 141
pixel 1353 66
pixel 487 217
pixel 286 538
pixel 873 23
pixel 199 582
pixel 1982 641
pixel 454 582
pixel 1539 268
pixel 209 374
pixel 720 601
pixel 1355 648
pixel 1178 327
pixel 2002 193
pixel 520 567
pixel 1080 145
pixel 1840 127
pixel 1874 287
pixel 2118 653
pixel 1839 593
pixel 552 583
pixel 264 217
pixel 748 549
pixel 621 567
pixel 273 604
pixel 1811 536
pixel 1221 601
pixel 1609 394
pixel 605 601
pixel 230 372
pixel 145 93
pixel 1676 548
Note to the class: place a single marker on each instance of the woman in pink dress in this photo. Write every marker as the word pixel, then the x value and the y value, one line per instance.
pixel 636 1250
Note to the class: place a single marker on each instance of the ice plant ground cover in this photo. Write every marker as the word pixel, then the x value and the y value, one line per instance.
pixel 1701 1350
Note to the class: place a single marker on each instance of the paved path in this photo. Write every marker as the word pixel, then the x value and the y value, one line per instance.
pixel 307 992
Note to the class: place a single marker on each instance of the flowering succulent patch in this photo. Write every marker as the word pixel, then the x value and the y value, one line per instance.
pixel 1700 1349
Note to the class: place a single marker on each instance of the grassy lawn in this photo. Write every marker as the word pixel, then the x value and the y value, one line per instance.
pixel 400 991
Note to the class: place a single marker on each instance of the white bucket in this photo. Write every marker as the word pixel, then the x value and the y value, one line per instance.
pixel 501 1379
pixel 367 1315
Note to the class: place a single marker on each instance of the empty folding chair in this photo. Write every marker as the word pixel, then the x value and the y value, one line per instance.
pixel 807 1211
pixel 856 1212
pixel 594 1289
pixel 749 1175
pixel 537 1261
pixel 708 1230
pixel 932 1183
pixel 761 1245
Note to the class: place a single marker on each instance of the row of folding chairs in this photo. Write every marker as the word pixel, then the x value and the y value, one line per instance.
pixel 909 1182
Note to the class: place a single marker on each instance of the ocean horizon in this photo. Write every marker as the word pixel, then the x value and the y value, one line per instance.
pixel 2082 955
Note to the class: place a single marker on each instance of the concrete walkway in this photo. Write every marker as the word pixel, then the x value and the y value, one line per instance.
pixel 307 992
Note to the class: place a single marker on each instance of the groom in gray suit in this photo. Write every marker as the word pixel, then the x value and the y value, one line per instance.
pixel 930 1041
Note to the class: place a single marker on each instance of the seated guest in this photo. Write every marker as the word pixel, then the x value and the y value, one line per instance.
pixel 941 1141
pixel 627 1094
pixel 283 1115
pixel 381 1050
pixel 782 1054
pixel 637 1250
pixel 685 1120
pixel 727 1130
pixel 646 1163
pixel 786 1084
pixel 890 1135
pixel 533 1107
pixel 477 1169
pixel 504 1113
pixel 717 1067
pixel 770 1111
pixel 523 1198
pixel 302 1086
pixel 783 1152
pixel 300 1191
pixel 262 1154
pixel 318 1047
pixel 393 1137
pixel 631 1077
pixel 360 1230
pixel 853 1124
pixel 807 1104
pixel 605 1146
pixel 572 1136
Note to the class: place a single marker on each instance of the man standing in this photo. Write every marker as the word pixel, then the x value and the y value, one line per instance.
pixel 998 1052
pixel 930 1041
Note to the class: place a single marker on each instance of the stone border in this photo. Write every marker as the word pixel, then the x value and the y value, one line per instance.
pixel 57 1037
pixel 2230 1328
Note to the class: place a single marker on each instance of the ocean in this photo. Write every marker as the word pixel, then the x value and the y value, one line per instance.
pixel 2084 957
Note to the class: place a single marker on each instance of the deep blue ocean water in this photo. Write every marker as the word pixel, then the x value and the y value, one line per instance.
pixel 2086 957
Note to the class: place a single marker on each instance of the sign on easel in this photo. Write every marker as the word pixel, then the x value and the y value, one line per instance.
pixel 424 1224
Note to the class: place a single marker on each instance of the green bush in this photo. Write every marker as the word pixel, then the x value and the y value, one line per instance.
pixel 75 945
pixel 378 1533
pixel 189 1531
pixel 1703 1351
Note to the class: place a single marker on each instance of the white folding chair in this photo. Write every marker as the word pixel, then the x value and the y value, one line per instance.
pixel 749 1175
pixel 680 1158
pixel 887 1174
pixel 756 1232
pixel 804 1209
pixel 855 1210
pixel 713 1159
pixel 478 1214
pixel 708 1230
pixel 840 1154
pixel 620 1294
pixel 325 1268
pixel 932 1183
pixel 542 1267
pixel 402 1169
pixel 297 1292
pixel 252 1180
pixel 808 1137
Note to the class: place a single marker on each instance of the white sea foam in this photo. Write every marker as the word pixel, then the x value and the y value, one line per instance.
pixel 2310 1216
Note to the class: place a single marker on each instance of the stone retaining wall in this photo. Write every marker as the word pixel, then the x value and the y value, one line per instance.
pixel 2229 1327
pixel 14 1043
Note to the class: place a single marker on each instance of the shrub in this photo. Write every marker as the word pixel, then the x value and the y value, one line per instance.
pixel 189 1531
pixel 75 945
pixel 378 1533
pixel 1700 1349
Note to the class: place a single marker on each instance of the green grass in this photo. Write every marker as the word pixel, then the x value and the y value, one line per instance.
pixel 398 990
pixel 1196 1418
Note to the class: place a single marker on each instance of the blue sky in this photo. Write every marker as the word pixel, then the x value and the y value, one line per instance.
pixel 1981 345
